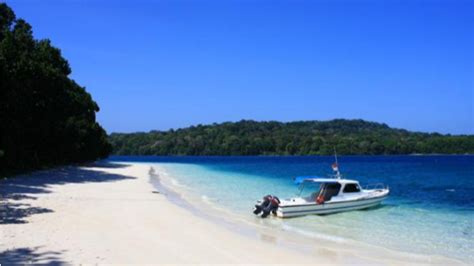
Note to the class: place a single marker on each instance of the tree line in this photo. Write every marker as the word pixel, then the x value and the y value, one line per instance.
pixel 350 137
pixel 46 118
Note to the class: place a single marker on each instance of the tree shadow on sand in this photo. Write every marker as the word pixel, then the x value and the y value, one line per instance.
pixel 21 256
pixel 16 189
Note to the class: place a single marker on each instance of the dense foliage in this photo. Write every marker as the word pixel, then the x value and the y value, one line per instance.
pixel 45 117
pixel 295 138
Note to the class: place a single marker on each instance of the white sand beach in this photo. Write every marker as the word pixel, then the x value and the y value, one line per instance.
pixel 113 214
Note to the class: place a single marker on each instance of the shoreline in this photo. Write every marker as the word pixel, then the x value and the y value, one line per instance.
pixel 261 229
pixel 111 213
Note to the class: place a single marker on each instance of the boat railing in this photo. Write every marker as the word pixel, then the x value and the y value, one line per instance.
pixel 375 186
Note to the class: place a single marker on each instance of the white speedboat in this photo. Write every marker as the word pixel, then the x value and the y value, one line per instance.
pixel 326 195
pixel 330 196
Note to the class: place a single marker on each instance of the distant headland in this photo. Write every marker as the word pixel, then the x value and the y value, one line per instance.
pixel 248 137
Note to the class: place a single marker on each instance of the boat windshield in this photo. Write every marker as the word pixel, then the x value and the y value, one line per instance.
pixel 310 190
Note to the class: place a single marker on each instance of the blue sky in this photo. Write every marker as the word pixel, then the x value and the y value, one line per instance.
pixel 170 64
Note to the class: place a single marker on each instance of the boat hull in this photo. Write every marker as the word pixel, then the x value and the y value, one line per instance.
pixel 329 207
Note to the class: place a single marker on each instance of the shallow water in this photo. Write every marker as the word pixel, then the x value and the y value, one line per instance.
pixel 430 209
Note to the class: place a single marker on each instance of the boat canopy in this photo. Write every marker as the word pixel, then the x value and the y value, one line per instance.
pixel 316 179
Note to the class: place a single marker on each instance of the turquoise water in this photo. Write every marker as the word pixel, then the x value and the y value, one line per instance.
pixel 430 210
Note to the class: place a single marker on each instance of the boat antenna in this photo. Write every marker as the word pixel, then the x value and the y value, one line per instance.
pixel 335 166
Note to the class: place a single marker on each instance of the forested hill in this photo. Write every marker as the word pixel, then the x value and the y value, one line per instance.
pixel 294 138
pixel 46 118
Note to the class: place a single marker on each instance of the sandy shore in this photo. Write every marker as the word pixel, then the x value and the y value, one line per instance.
pixel 113 214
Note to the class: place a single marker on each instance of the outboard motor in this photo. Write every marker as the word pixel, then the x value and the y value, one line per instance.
pixel 263 205
pixel 272 207
pixel 269 205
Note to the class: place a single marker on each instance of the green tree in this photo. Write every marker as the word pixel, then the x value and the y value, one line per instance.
pixel 294 138
pixel 46 118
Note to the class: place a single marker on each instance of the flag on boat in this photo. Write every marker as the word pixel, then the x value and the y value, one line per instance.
pixel 335 167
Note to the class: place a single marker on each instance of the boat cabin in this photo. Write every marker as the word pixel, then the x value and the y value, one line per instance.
pixel 326 188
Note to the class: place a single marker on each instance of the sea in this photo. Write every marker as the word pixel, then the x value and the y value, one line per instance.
pixel 430 209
